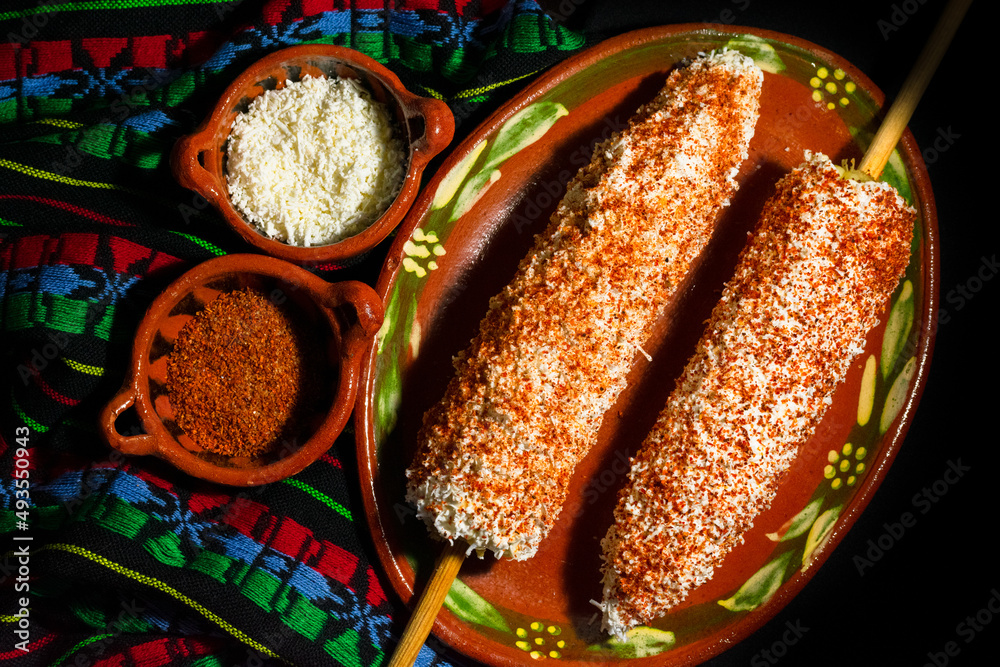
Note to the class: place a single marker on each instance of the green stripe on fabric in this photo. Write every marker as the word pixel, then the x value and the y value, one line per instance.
pixel 118 516
pixel 320 496
pixel 58 312
pixel 86 642
pixel 207 661
pixel 345 648
pixel 41 428
pixel 134 147
pixel 304 617
pixel 165 588
pixel 45 8
pixel 211 247
pixel 9 223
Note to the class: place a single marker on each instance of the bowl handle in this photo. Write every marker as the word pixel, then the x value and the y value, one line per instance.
pixel 439 127
pixel 368 311
pixel 138 444
pixel 186 161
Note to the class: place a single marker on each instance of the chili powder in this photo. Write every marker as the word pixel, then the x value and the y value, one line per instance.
pixel 243 375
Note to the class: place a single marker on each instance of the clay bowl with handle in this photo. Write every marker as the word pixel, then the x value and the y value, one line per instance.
pixel 426 125
pixel 345 316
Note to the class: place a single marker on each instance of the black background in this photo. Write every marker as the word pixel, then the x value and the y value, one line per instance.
pixel 907 607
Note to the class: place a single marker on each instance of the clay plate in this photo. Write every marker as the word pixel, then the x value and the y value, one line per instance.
pixel 460 244
pixel 199 159
pixel 347 315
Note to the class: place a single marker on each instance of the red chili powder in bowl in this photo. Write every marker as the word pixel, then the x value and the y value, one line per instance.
pixel 243 375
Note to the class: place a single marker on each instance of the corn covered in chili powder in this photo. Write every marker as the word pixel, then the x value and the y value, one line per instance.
pixel 243 375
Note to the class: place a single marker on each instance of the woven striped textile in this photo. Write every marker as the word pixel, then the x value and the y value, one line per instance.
pixel 131 561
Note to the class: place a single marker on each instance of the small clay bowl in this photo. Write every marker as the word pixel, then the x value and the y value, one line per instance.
pixel 198 160
pixel 345 317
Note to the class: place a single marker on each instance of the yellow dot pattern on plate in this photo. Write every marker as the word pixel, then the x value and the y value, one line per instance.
pixel 419 247
pixel 834 84
pixel 540 640
pixel 841 469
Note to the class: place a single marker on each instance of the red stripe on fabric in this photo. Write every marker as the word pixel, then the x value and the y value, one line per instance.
pixel 52 393
pixel 103 50
pixel 127 253
pixel 54 56
pixel 72 208
pixel 118 660
pixel 337 562
pixel 331 460
pixel 25 59
pixel 292 539
pixel 162 260
pixel 243 515
pixel 157 653
pixel 272 11
pixel 199 502
pixel 77 248
pixel 8 61
pixel 265 532
pixel 313 7
pixel 376 595
pixel 33 646
pixel 413 5
pixel 372 4
pixel 25 253
pixel 150 51
pixel 152 654
pixel 198 47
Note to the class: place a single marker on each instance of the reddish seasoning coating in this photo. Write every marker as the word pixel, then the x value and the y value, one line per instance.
pixel 553 353
pixel 826 255
pixel 242 375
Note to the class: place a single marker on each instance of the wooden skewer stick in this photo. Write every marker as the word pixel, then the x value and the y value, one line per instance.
pixel 896 119
pixel 419 626
pixel 450 559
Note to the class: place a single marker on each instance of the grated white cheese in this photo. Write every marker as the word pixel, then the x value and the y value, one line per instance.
pixel 315 162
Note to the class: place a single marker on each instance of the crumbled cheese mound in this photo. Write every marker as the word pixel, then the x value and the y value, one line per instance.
pixel 315 162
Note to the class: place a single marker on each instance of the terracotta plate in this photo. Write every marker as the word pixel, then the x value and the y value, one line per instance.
pixel 459 246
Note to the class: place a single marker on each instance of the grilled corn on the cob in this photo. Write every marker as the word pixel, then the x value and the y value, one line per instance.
pixel 496 453
pixel 826 256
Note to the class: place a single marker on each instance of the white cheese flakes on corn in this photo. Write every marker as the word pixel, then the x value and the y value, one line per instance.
pixel 495 455
pixel 821 265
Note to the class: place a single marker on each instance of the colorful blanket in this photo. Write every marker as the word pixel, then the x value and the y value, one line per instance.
pixel 110 560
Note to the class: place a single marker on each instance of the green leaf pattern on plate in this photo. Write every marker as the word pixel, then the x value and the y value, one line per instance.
pixel 471 607
pixel 897 395
pixel 641 642
pixel 819 532
pixel 522 129
pixel 759 588
pixel 760 50
pixel 798 524
pixel 897 329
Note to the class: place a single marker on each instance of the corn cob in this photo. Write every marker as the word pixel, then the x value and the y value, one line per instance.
pixel 811 283
pixel 495 455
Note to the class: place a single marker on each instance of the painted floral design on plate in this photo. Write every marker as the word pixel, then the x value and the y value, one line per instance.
pixel 790 540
